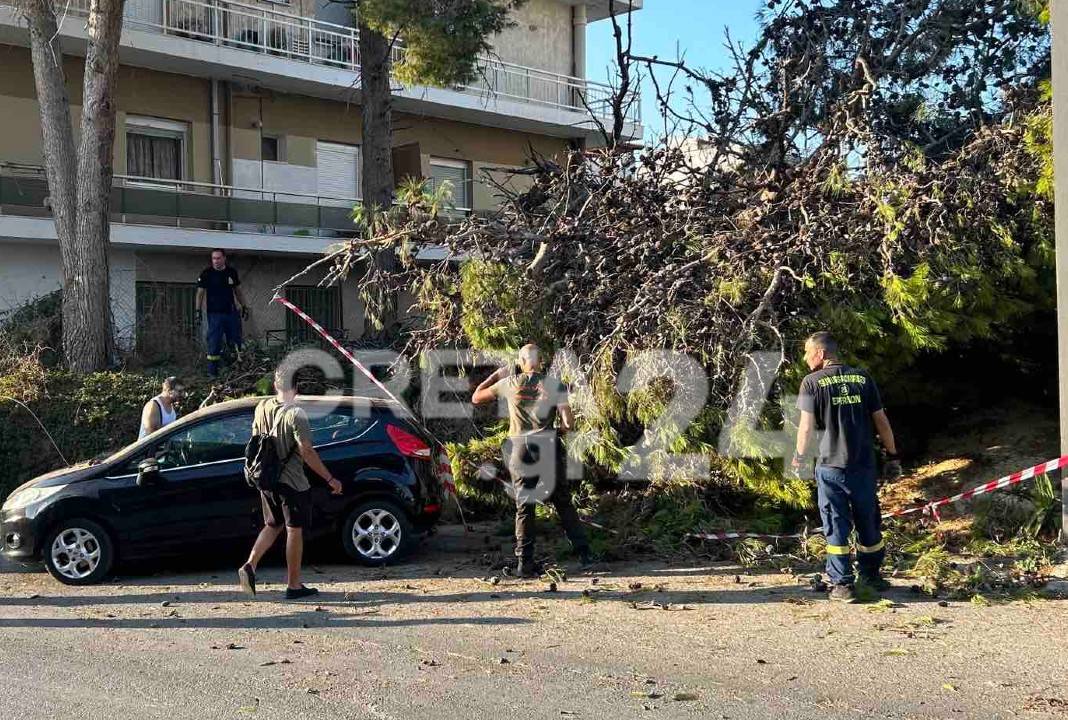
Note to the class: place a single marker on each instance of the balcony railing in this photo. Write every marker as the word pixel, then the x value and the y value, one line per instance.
pixel 181 203
pixel 195 205
pixel 263 30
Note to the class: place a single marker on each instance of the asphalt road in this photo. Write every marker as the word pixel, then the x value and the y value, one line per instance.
pixel 433 639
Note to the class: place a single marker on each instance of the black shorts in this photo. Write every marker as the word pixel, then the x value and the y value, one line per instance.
pixel 292 508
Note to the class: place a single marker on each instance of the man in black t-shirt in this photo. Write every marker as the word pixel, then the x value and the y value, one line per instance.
pixel 219 294
pixel 842 404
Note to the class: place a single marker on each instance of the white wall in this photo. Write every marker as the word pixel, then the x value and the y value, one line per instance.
pixel 541 38
pixel 30 270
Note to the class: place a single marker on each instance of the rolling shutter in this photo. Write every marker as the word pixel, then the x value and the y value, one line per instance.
pixel 338 171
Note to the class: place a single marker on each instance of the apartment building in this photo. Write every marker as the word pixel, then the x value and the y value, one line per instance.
pixel 239 127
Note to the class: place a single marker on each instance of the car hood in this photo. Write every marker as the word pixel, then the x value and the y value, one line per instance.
pixel 63 476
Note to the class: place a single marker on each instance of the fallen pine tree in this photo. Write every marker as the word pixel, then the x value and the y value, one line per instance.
pixel 879 169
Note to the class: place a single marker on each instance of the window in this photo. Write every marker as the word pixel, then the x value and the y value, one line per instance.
pixel 338 426
pixel 221 439
pixel 155 148
pixel 164 311
pixel 457 173
pixel 322 304
pixel 269 149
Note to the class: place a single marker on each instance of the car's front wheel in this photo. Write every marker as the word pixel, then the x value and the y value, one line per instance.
pixel 377 532
pixel 78 552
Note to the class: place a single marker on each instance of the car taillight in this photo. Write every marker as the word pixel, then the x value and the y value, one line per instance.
pixel 408 445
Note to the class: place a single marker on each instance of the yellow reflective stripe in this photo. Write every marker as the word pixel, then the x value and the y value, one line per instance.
pixel 837 549
pixel 214 357
pixel 872 548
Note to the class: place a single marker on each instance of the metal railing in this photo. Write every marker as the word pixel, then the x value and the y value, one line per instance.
pixel 195 205
pixel 267 31
pixel 198 205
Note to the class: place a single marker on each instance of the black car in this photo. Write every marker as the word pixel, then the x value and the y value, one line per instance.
pixel 82 519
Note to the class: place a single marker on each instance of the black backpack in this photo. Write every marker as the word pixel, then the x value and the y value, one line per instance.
pixel 263 469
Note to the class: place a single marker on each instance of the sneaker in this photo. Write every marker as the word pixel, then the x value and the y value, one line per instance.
pixel 300 593
pixel 877 583
pixel 843 594
pixel 246 577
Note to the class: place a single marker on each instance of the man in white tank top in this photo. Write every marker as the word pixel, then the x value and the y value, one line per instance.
pixel 161 410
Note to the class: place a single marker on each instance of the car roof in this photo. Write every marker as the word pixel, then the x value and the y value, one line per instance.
pixel 308 401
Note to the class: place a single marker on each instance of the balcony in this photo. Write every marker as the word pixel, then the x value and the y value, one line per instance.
pixel 191 205
pixel 258 31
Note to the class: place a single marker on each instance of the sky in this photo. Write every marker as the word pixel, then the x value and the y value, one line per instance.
pixel 666 27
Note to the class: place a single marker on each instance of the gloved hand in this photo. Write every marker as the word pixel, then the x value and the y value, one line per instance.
pixel 200 317
pixel 244 312
pixel 892 469
pixel 801 468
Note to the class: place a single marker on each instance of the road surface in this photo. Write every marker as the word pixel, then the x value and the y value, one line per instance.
pixel 435 639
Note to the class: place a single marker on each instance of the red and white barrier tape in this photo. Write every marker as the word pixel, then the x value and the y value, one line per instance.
pixel 444 467
pixel 1015 478
pixel 340 348
pixel 748 535
pixel 930 508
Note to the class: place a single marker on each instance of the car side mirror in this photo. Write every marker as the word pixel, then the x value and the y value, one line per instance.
pixel 148 473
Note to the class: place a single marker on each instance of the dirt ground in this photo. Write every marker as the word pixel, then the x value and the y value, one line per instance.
pixel 436 638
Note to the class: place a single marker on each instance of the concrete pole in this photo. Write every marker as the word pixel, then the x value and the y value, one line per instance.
pixel 1059 28
pixel 578 41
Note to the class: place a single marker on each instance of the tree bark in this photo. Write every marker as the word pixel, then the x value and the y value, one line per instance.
pixel 79 179
pixel 377 96
pixel 88 344
pixel 56 129
pixel 377 152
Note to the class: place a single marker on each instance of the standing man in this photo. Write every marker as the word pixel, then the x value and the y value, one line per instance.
pixel 534 454
pixel 842 404
pixel 285 421
pixel 219 297
pixel 161 410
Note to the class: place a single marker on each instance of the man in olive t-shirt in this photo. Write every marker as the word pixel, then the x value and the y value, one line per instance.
pixel 287 423
pixel 534 454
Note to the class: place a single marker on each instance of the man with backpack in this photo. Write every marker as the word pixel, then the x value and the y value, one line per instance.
pixel 274 464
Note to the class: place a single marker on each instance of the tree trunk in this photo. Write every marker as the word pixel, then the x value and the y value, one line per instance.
pixel 377 147
pixel 88 343
pixel 56 130
pixel 79 180
pixel 377 150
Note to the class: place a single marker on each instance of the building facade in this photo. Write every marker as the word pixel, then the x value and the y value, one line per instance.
pixel 239 127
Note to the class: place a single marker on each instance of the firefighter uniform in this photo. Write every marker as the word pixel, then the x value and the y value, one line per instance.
pixel 224 322
pixel 843 400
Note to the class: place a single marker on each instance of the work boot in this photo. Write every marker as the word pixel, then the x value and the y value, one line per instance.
pixel 877 583
pixel 527 569
pixel 843 594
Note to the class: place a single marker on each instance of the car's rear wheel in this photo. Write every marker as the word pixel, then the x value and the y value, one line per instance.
pixel 377 532
pixel 78 551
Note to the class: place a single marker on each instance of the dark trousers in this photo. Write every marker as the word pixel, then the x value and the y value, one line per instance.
pixel 847 499
pixel 222 328
pixel 537 464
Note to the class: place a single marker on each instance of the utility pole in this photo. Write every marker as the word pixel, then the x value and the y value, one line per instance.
pixel 1059 28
